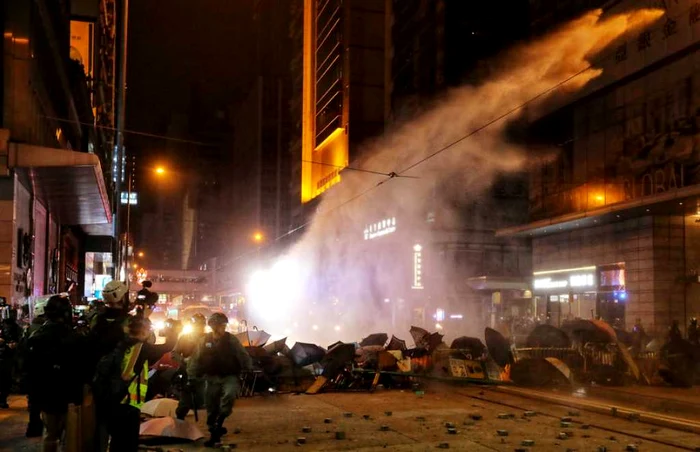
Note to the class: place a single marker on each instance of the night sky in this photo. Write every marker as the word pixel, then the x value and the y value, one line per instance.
pixel 181 49
pixel 181 53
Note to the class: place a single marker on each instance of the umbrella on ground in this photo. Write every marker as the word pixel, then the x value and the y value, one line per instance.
pixel 276 347
pixel 160 407
pixel 336 358
pixel 548 336
pixel 586 331
pixel 168 427
pixel 434 340
pixel 374 339
pixel 396 344
pixel 498 347
pixel 386 361
pixel 472 345
pixel 420 336
pixel 624 353
pixel 541 372
pixel 625 337
pixel 253 338
pixel 304 354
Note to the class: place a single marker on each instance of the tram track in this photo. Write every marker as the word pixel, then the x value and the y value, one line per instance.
pixel 608 418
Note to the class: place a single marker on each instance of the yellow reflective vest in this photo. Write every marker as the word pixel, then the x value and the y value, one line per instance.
pixel 139 384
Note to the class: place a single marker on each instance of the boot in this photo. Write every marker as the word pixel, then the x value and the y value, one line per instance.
pixel 34 429
pixel 181 414
pixel 220 425
pixel 215 437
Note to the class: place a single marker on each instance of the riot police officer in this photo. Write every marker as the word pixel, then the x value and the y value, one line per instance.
pixel 220 359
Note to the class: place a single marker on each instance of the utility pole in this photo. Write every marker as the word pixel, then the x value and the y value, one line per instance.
pixel 119 147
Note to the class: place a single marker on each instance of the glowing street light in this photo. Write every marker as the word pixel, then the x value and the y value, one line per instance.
pixel 136 266
pixel 160 171
pixel 141 254
pixel 258 237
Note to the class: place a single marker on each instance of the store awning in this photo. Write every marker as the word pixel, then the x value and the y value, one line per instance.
pixel 495 283
pixel 70 183
pixel 668 203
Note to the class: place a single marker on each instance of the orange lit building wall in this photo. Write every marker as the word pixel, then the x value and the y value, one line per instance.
pixel 325 149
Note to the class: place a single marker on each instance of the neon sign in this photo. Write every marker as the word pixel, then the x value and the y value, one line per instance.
pixel 418 267
pixel 380 228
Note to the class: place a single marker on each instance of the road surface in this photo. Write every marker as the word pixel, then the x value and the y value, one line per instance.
pixel 408 422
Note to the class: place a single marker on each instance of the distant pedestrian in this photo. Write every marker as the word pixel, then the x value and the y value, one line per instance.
pixel 220 359
pixel 55 370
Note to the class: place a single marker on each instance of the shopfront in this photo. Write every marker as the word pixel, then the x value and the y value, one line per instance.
pixel 580 293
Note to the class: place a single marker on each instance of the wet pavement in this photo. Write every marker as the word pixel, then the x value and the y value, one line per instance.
pixel 400 421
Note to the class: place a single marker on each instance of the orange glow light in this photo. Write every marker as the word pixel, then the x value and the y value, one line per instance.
pixel 258 237
pixel 160 171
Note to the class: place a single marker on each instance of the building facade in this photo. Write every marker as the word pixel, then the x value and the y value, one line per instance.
pixel 614 218
pixel 55 175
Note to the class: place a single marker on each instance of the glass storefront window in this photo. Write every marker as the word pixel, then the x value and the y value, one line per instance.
pixel 98 272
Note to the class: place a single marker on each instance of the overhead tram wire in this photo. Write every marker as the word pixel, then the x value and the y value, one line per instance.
pixel 359 170
pixel 393 175
pixel 494 121
pixel 132 132
pixel 200 143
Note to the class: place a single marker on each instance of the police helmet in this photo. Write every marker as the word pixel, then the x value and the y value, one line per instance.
pixel 217 318
pixel 114 292
pixel 58 307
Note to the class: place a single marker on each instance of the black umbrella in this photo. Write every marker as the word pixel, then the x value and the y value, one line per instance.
pixel 585 331
pixel 374 339
pixel 472 345
pixel 304 354
pixel 498 346
pixel 434 339
pixel 276 347
pixel 625 337
pixel 396 344
pixel 548 336
pixel 541 372
pixel 336 358
pixel 420 336
pixel 334 344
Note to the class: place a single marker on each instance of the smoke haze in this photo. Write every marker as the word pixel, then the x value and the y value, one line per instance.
pixel 285 300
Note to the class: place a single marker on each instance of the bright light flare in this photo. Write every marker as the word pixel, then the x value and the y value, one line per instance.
pixel 159 325
pixel 272 291
pixel 187 328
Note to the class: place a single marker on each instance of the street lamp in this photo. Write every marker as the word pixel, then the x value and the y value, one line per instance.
pixel 160 170
pixel 258 237
pixel 141 254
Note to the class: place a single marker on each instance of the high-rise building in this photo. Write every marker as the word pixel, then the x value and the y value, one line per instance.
pixel 344 86
pixel 614 218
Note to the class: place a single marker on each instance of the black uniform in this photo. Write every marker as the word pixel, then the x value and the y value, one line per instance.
pixel 10 335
